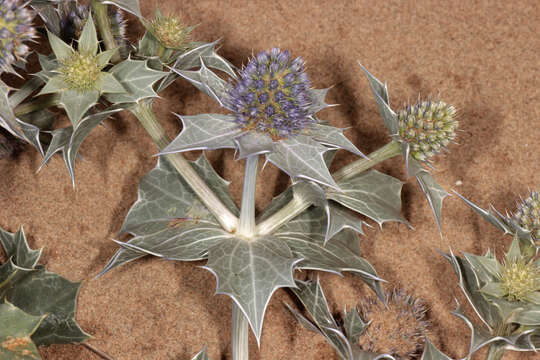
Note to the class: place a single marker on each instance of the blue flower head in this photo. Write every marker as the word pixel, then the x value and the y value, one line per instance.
pixel 15 29
pixel 271 96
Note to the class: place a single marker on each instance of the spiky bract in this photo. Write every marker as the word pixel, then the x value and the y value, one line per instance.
pixel 272 95
pixel 427 127
pixel 15 29
pixel 528 214
pixel 399 330
pixel 170 31
pixel 80 71
pixel 519 279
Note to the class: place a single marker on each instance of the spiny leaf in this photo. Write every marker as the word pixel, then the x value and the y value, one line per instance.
pixel 302 157
pixel 137 79
pixel 204 132
pixel 354 325
pixel 17 327
pixel 249 272
pixel 373 194
pixel 88 42
pixel 432 353
pixel 380 92
pixel 435 194
pixel 201 355
pixel 39 292
pixel 318 102
pixel 206 81
pixel 16 247
pixel 61 50
pixel 333 137
pixel 253 143
pixel 165 205
pixel 131 6
pixel 78 103
pixel 341 219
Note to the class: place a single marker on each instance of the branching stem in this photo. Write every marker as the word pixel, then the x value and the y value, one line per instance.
pixel 296 206
pixel 495 352
pixel 143 112
pixel 96 351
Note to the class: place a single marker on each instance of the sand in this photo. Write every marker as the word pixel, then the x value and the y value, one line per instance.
pixel 480 56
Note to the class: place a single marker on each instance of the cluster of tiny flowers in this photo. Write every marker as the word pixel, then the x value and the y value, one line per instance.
pixel 80 71
pixel 528 214
pixel 398 329
pixel 519 279
pixel 272 95
pixel 428 127
pixel 170 32
pixel 15 28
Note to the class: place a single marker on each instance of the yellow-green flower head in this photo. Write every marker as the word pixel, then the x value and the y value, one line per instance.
pixel 15 29
pixel 520 280
pixel 80 71
pixel 170 31
pixel 528 214
pixel 427 127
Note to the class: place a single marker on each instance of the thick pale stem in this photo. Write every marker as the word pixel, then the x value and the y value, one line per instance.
pixel 104 26
pixel 296 206
pixel 240 334
pixel 42 102
pixel 495 352
pixel 226 218
pixel 246 224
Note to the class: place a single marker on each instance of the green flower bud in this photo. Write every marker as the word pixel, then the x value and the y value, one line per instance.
pixel 170 31
pixel 80 71
pixel 398 329
pixel 519 280
pixel 427 127
pixel 527 215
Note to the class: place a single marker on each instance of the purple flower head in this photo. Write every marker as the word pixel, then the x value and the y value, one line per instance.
pixel 272 95
pixel 15 28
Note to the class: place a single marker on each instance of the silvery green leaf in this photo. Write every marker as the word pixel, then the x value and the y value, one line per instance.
pixel 481 338
pixel 187 240
pixel 353 325
pixel 17 327
pixel 107 83
pixel 486 268
pixel 318 102
pixel 16 247
pixel 88 41
pixel 206 81
pixel 61 50
pixel 19 95
pixel 498 220
pixel 305 235
pixel 166 200
pixel 380 93
pixel 201 355
pixel 43 119
pixel 49 15
pixel 332 137
pixel 312 297
pixel 303 320
pixel 435 194
pixel 204 132
pixel 302 157
pixel 137 79
pixel 60 139
pixel 16 127
pixel 78 103
pixel 341 219
pixel 373 194
pixel 131 6
pixel 39 292
pixel 432 353
pixel 470 285
pixel 249 272
pixel 253 143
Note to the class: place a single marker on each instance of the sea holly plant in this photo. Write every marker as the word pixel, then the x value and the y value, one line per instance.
pixel 505 296
pixel 37 307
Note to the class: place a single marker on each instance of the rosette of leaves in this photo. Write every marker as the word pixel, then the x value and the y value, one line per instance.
pixel 273 113
pixel 506 298
pixel 16 29
pixel 345 333
pixel 170 222
pixel 523 223
pixel 37 307
pixel 421 131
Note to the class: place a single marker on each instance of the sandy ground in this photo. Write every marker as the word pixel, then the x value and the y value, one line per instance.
pixel 482 56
